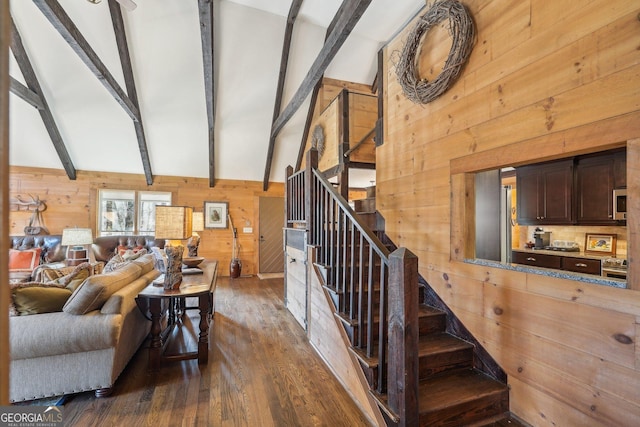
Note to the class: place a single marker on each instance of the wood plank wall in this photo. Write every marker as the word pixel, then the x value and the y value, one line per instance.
pixel 363 114
pixel 329 91
pixel 545 80
pixel 73 203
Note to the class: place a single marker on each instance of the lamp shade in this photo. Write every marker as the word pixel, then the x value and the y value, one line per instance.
pixel 198 221
pixel 76 237
pixel 173 222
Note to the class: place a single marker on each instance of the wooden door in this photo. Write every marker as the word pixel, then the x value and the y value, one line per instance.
pixel 271 222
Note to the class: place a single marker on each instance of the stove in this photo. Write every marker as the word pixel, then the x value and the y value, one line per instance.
pixel 615 268
pixel 563 248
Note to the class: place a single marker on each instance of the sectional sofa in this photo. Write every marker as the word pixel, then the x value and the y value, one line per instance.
pixel 86 344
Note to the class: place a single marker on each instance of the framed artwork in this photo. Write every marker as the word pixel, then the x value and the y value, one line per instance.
pixel 600 244
pixel 216 214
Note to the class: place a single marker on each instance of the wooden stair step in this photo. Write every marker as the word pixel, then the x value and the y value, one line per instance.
pixel 442 351
pixel 431 319
pixel 461 397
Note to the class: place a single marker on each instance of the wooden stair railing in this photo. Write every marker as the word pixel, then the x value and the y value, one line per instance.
pixel 419 373
pixel 361 270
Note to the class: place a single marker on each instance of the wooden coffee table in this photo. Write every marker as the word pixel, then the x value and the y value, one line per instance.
pixel 159 305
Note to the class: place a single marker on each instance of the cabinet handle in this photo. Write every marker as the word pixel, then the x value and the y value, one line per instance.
pixel 580 264
pixel 531 258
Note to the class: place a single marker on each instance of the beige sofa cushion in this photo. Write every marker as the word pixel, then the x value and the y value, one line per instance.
pixel 58 333
pixel 146 262
pixel 95 290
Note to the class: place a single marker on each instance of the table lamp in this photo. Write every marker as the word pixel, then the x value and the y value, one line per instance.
pixel 76 239
pixel 174 224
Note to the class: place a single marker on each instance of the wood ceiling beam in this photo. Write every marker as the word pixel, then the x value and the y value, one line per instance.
pixel 344 21
pixel 52 10
pixel 25 93
pixel 314 94
pixel 205 9
pixel 127 70
pixel 282 75
pixel 19 52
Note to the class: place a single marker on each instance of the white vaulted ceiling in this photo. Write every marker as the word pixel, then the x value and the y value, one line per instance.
pixel 165 48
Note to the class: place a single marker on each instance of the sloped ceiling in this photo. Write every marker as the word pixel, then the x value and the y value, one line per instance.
pixel 165 48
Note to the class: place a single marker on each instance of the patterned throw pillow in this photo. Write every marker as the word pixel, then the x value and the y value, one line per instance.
pixel 116 262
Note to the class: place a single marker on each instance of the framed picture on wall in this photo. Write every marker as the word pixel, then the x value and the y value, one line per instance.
pixel 600 244
pixel 216 214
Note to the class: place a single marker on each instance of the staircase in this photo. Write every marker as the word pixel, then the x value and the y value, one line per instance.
pixel 423 375
pixel 451 392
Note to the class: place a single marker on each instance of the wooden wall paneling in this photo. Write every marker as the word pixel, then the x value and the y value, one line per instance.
pixel 599 136
pixel 329 122
pixel 604 407
pixel 363 114
pixel 539 409
pixel 603 333
pixel 531 91
pixel 73 203
pixel 580 367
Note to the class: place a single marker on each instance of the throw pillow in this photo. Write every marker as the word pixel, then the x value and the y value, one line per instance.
pixel 132 254
pixel 97 289
pixel 36 298
pixel 116 262
pixel 25 260
pixel 75 278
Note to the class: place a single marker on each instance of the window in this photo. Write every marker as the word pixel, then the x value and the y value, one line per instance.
pixel 129 212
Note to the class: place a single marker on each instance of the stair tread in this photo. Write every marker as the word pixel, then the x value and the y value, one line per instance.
pixel 456 387
pixel 441 342
pixel 428 310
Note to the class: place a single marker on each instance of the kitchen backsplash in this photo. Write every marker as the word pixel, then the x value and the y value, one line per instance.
pixel 576 234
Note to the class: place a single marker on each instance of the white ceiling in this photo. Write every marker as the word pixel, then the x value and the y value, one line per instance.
pixel 164 44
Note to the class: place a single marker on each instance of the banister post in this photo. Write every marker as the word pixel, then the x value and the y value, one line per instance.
pixel 309 191
pixel 402 375
pixel 287 196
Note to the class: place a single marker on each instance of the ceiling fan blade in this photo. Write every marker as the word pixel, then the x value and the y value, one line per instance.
pixel 127 4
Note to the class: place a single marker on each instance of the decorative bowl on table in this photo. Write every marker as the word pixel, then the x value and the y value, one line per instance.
pixel 192 261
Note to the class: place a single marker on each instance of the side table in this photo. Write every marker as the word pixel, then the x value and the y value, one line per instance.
pixel 150 302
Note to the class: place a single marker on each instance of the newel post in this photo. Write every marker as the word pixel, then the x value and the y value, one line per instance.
pixel 309 191
pixel 403 328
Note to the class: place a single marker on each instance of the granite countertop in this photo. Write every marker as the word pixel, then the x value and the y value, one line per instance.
pixel 560 274
pixel 563 253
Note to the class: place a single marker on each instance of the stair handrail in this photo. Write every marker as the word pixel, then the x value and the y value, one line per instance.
pixel 329 223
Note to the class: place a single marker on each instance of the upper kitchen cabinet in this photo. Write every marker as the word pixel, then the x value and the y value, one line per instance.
pixel 620 169
pixel 595 183
pixel 544 195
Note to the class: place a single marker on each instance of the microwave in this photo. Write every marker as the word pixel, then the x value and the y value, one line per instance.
pixel 620 204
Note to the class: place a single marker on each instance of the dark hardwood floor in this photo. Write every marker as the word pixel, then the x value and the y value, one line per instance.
pixel 261 372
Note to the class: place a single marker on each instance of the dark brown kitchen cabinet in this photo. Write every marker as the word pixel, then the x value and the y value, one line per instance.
pixel 620 169
pixel 544 193
pixel 594 190
pixel 558 262
pixel 536 260
pixel 581 265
